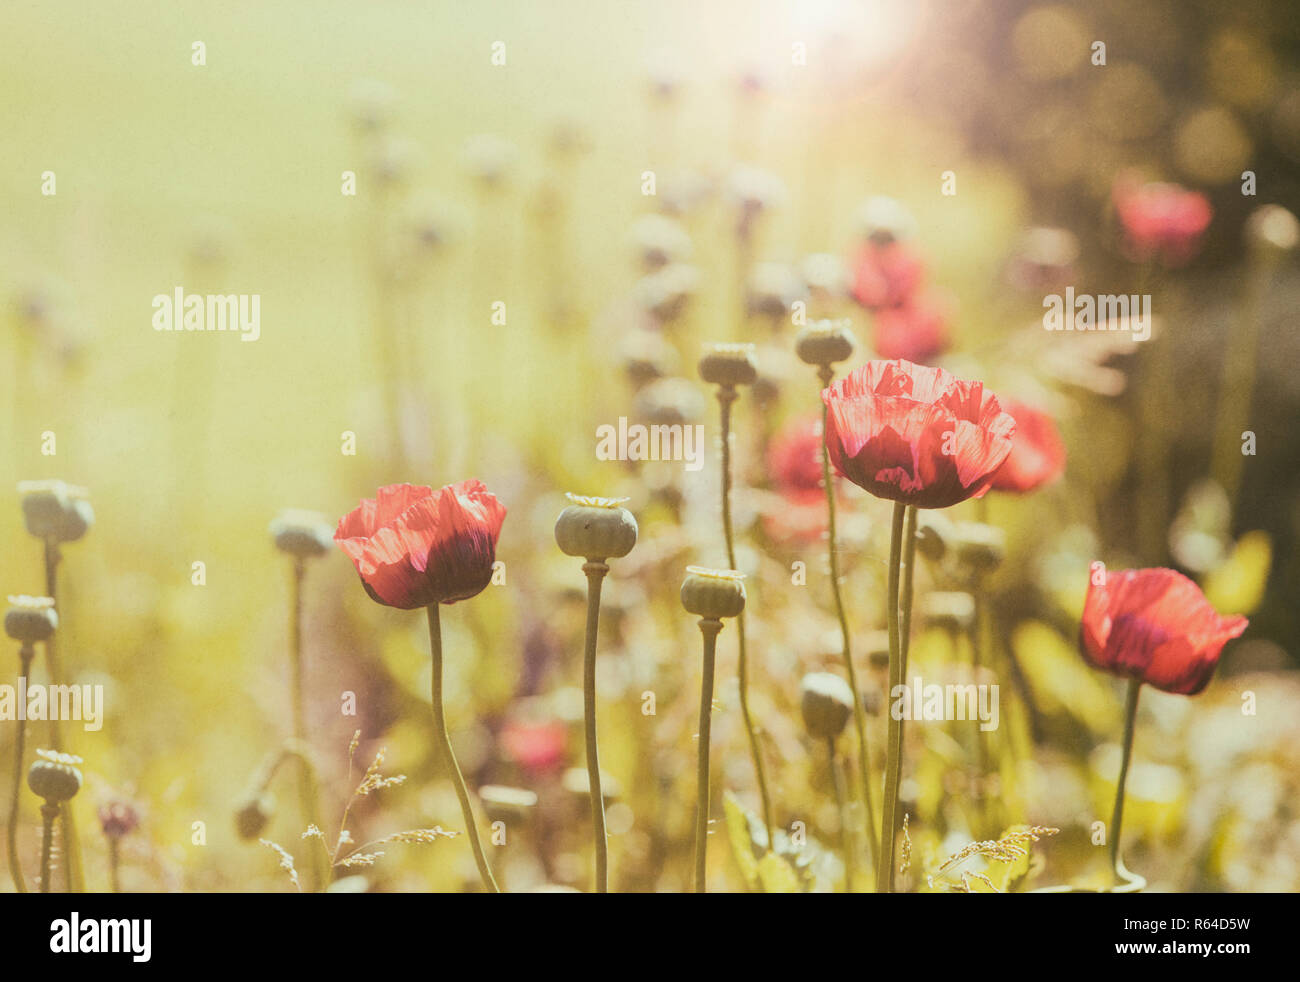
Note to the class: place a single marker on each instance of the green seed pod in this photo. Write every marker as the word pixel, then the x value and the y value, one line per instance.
pixel 980 547
pixel 54 776
pixel 304 534
pixel 713 593
pixel 826 701
pixel 31 619
pixel 55 510
pixel 252 816
pixel 933 535
pixel 950 611
pixel 595 528
pixel 824 342
pixel 729 365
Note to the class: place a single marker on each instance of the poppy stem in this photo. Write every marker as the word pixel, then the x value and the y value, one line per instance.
pixel 726 396
pixel 595 570
pixel 859 713
pixel 905 600
pixel 894 752
pixel 846 833
pixel 448 755
pixel 72 843
pixel 709 628
pixel 25 654
pixel 308 793
pixel 114 866
pixel 1122 875
pixel 49 813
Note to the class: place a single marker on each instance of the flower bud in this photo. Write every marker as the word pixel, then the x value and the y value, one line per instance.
pixel 884 220
pixel 980 547
pixel 118 818
pixel 595 528
pixel 31 619
pixel 826 702
pixel 951 611
pixel 729 365
pixel 824 342
pixel 252 816
pixel 55 510
pixel 54 776
pixel 713 593
pixel 303 534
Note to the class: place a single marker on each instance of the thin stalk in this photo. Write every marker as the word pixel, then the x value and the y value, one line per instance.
pixel 72 842
pixel 114 865
pixel 894 753
pixel 909 565
pixel 49 813
pixel 846 835
pixel 709 629
pixel 1237 386
pixel 308 793
pixel 979 640
pixel 25 655
pixel 859 713
pixel 726 396
pixel 1117 818
pixel 595 570
pixel 448 755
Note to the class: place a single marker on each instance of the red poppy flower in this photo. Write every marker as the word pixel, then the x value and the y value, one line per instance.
pixel 538 748
pixel 915 434
pixel 1161 221
pixel 1157 626
pixel 1037 453
pixel 795 463
pixel 916 331
pixel 414 546
pixel 886 275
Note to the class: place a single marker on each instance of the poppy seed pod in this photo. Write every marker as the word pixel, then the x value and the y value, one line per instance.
pixel 54 776
pixel 252 816
pixel 933 535
pixel 980 547
pixel 304 534
pixel 595 528
pixel 826 702
pixel 729 365
pixel 31 619
pixel 713 593
pixel 824 342
pixel 950 611
pixel 55 510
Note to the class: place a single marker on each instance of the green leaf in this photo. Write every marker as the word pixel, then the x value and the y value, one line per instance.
pixel 740 833
pixel 1237 586
pixel 777 875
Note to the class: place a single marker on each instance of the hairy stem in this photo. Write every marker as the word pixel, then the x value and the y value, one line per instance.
pixel 1117 817
pixel 308 793
pixel 846 834
pixel 894 752
pixel 72 842
pixel 709 628
pixel 25 655
pixel 859 712
pixel 595 570
pixel 449 756
pixel 726 396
